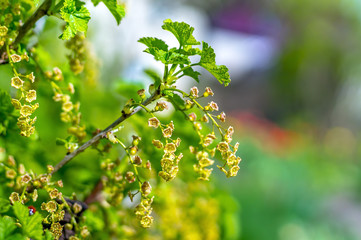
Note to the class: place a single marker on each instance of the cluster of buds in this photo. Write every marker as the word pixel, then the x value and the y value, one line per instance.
pixel 170 160
pixel 55 211
pixel 77 46
pixel 228 153
pixel 63 218
pixel 27 96
pixel 206 147
pixel 3 33
pixel 160 106
pixel 70 111
pixel 4 4
pixel 19 179
pixel 143 211
pixel 203 162
pixel 113 181
pixel 29 183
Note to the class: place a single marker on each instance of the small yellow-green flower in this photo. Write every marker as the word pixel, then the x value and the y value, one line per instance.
pixel 31 77
pixel 111 137
pixel 35 195
pixel 205 173
pixel 167 133
pixel 56 229
pixel 3 31
pixel 26 110
pixel 84 232
pixel 54 193
pixel 146 221
pixel 26 178
pixel 25 57
pixel 208 92
pixel 153 122
pixel 67 106
pixel 222 146
pixel 65 117
pixel 71 88
pixel 233 171
pixel 14 197
pixel 194 92
pixel 15 58
pixel 222 117
pixel 30 96
pixel 16 103
pixel 170 148
pixel 77 208
pixel 157 143
pixel 51 206
pixel 16 82
pixel 11 174
pixel 205 162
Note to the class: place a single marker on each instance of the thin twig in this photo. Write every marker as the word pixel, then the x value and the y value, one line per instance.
pixel 103 133
pixel 29 24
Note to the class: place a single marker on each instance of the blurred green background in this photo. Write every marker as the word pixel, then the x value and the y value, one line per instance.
pixel 294 101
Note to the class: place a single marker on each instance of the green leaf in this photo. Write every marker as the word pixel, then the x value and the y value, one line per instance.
pixel 4 205
pixel 48 235
pixel 154 76
pixel 96 2
pixel 208 61
pixel 31 225
pixel 167 57
pixel 176 99
pixel 7 119
pixel 158 54
pixel 190 51
pixel 5 102
pixel 7 227
pixel 128 89
pixel 60 142
pixel 118 10
pixel 182 31
pixel 177 58
pixel 154 43
pixel 76 16
pixel 191 73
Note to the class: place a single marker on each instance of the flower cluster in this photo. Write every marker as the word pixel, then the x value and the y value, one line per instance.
pixel 203 162
pixel 170 160
pixel 25 103
pixel 115 182
pixel 3 33
pixel 206 148
pixel 70 111
pixel 77 55
pixel 228 153
pixel 188 212
pixel 143 211
pixel 26 184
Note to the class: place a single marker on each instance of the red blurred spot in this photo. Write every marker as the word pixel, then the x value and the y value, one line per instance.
pixel 32 210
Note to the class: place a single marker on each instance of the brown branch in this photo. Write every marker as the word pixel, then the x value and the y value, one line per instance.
pixel 103 133
pixel 29 24
pixel 95 193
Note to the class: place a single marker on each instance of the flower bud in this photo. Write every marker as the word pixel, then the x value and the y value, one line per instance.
pixel 146 188
pixel 137 160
